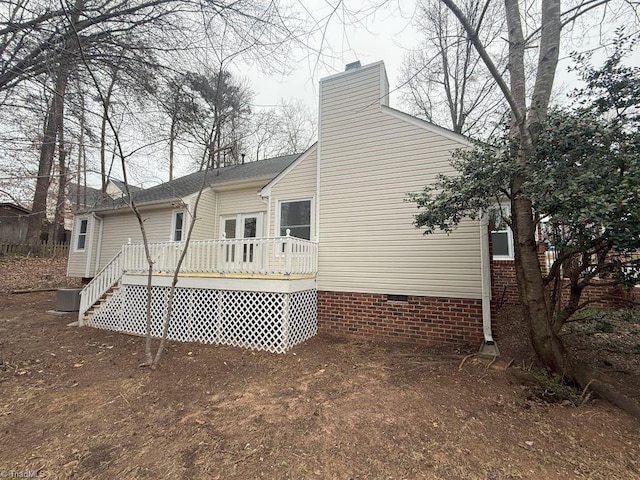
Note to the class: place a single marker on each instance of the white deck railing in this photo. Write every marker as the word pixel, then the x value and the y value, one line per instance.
pixel 101 283
pixel 269 256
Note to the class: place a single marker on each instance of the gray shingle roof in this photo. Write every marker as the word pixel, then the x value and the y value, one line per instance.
pixel 189 184
pixel 85 197
pixel 121 185
pixel 88 197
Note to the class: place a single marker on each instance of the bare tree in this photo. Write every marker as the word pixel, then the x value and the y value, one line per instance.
pixel 23 124
pixel 178 101
pixel 444 80
pixel 35 41
pixel 265 134
pixel 36 36
pixel 59 234
pixel 299 125
pixel 289 128
pixel 223 106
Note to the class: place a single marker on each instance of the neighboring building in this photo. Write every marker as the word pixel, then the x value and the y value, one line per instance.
pixel 82 197
pixel 14 221
pixel 286 246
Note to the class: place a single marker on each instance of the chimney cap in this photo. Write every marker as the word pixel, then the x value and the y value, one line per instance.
pixel 353 65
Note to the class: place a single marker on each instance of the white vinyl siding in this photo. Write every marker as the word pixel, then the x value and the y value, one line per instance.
pixel 119 227
pixel 369 160
pixel 205 225
pixel 77 262
pixel 113 191
pixel 299 183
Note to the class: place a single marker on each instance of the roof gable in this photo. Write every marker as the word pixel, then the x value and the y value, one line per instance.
pixel 13 209
pixel 266 190
pixel 431 127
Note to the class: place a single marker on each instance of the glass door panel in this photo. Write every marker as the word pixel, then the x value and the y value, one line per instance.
pixel 250 227
pixel 230 232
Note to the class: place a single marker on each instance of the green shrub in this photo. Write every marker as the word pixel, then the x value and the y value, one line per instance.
pixel 553 388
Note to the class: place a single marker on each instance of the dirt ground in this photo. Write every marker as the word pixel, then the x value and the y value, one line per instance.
pixel 75 404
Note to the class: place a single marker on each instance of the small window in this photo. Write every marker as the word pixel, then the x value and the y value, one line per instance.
pixel 178 226
pixel 501 236
pixel 296 216
pixel 81 239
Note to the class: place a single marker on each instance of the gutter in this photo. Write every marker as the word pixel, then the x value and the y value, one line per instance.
pixel 127 207
pixel 251 182
pixel 488 347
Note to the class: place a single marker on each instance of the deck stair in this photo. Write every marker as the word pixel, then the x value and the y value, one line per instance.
pixel 94 294
pixel 103 300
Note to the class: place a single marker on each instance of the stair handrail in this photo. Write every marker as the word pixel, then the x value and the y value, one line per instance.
pixel 106 278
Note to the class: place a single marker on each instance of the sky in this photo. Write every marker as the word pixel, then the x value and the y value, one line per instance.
pixel 384 34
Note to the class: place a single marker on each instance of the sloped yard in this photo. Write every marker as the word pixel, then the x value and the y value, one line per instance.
pixel 74 404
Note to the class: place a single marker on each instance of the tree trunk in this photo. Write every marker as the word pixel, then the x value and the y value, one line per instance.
pixel 148 356
pixel 103 135
pixel 81 193
pixel 532 293
pixel 47 153
pixel 172 140
pixel 61 203
pixel 524 128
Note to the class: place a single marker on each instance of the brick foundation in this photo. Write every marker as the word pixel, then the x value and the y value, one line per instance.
pixel 426 320
pixel 504 289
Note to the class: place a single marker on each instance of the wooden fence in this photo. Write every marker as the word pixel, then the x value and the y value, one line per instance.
pixel 42 250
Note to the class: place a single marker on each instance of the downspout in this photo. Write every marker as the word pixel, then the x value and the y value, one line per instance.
pixel 99 246
pixel 267 223
pixel 488 346
pixel 317 199
pixel 266 228
pixel 216 224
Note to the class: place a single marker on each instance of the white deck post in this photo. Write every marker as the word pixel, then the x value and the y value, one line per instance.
pixel 287 253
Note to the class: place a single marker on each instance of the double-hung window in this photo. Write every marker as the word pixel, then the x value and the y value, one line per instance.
pixel 81 236
pixel 178 226
pixel 295 216
pixel 501 235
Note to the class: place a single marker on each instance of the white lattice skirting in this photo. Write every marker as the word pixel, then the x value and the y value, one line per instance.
pixel 269 321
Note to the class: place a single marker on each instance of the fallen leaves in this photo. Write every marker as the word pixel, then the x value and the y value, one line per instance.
pixel 31 273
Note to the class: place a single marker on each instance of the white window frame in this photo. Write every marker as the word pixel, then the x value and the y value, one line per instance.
pixel 174 223
pixel 505 211
pixel 77 233
pixel 312 233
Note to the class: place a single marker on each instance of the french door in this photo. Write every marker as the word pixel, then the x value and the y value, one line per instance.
pixel 244 225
